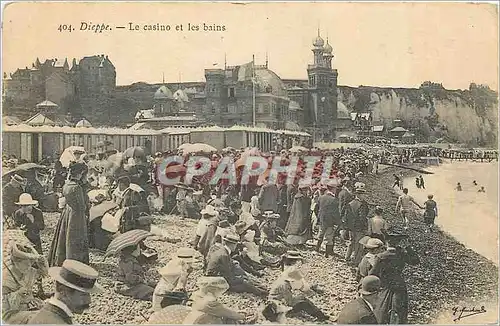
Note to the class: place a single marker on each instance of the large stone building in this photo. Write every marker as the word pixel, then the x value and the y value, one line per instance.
pixel 235 94
pixel 76 88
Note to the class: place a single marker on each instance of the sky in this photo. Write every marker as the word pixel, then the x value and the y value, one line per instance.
pixel 376 44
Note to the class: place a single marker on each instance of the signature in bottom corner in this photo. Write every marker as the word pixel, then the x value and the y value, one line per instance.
pixel 464 312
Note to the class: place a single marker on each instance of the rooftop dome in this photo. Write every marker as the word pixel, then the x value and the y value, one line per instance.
pixel 328 48
pixel 163 93
pixel 267 81
pixel 318 42
pixel 84 123
pixel 181 96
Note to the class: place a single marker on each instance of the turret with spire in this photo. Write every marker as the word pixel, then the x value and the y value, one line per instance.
pixel 66 65
pixel 328 54
pixel 318 43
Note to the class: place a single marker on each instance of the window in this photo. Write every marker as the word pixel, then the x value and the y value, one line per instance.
pixel 266 108
pixel 231 92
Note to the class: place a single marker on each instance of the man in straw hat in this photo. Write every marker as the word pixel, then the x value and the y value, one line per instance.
pixel 219 263
pixel 328 218
pixel 171 289
pixel 30 219
pixel 355 217
pixel 374 246
pixel 75 281
pixel 10 195
pixel 361 310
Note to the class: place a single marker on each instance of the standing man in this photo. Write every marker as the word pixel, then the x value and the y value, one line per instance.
pixel 360 311
pixel 329 219
pixel 422 183
pixel 404 206
pixel 356 214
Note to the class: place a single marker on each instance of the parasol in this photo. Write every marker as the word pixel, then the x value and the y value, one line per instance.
pixel 184 146
pixel 135 151
pixel 98 211
pixel 112 163
pixel 24 168
pixel 199 148
pixel 129 238
pixel 68 155
pixel 296 149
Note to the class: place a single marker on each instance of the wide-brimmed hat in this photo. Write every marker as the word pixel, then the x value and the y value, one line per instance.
pixel 185 253
pixel 209 210
pixel 292 254
pixel 394 236
pixel 374 243
pixel 370 285
pixel 364 240
pixel 24 252
pixel 231 237
pixel 76 275
pixel 267 214
pixel 77 167
pixel 213 284
pixel 360 187
pixel 241 226
pixel 26 199
pixel 274 216
pixel 18 178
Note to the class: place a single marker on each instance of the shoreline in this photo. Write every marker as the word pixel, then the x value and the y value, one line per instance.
pixel 449 274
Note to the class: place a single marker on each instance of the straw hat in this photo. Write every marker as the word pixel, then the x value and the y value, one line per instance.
pixel 268 214
pixel 241 227
pixel 292 254
pixel 374 243
pixel 185 253
pixel 231 237
pixel 26 200
pixel 213 284
pixel 76 275
pixel 370 285
pixel 209 210
pixel 359 187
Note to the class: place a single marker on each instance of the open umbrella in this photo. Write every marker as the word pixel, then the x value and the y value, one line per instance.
pixel 129 238
pixel 183 146
pixel 101 209
pixel 296 149
pixel 134 152
pixel 24 168
pixel 199 148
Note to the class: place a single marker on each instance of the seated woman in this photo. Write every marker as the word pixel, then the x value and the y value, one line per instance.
pixel 22 266
pixel 290 280
pixel 171 289
pixel 270 234
pixel 206 309
pixel 131 281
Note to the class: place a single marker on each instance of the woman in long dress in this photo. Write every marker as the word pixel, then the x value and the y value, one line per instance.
pixel 71 235
pixel 298 228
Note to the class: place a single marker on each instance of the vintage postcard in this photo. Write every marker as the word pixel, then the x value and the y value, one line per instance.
pixel 249 163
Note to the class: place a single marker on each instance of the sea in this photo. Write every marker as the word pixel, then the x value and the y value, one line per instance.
pixel 469 216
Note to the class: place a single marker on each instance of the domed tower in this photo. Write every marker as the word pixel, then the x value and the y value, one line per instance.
pixel 328 54
pixel 322 112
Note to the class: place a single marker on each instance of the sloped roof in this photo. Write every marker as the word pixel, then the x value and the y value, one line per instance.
pixel 399 129
pixel 180 95
pixel 84 123
pixel 46 103
pixel 163 93
pixel 267 81
pixel 11 120
pixel 39 120
pixel 146 114
pixel 408 134
pixel 378 128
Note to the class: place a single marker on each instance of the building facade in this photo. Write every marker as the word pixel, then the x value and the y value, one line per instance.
pixel 69 87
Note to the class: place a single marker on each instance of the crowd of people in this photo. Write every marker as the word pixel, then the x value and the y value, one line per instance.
pixel 242 231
